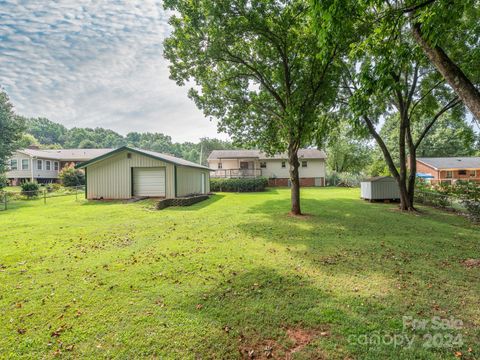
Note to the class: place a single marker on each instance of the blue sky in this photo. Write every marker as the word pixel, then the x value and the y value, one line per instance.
pixel 95 63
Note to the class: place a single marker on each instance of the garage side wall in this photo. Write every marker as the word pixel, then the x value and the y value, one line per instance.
pixel 111 178
pixel 189 181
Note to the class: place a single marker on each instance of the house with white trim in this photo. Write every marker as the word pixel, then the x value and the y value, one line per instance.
pixel 43 166
pixel 255 163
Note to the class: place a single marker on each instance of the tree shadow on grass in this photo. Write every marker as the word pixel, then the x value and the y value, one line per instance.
pixel 354 223
pixel 255 309
pixel 349 241
pixel 258 310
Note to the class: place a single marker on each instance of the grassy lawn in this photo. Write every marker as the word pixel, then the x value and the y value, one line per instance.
pixel 12 189
pixel 232 275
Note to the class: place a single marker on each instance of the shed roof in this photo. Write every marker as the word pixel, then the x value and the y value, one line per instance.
pixel 258 154
pixel 379 178
pixel 65 154
pixel 445 163
pixel 152 154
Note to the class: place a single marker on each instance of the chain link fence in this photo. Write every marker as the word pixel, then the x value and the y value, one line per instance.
pixel 9 199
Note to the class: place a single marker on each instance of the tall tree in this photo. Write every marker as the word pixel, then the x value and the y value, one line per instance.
pixel 11 128
pixel 448 32
pixel 258 68
pixel 388 76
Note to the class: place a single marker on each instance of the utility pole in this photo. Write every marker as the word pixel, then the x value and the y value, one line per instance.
pixel 201 153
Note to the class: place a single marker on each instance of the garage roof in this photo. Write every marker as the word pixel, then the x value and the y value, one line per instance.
pixel 159 156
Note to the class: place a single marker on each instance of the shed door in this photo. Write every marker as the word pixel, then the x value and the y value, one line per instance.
pixel 149 182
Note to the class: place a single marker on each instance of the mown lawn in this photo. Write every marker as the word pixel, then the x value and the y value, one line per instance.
pixel 235 274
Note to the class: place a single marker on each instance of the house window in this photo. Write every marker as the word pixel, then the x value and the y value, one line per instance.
pixel 219 165
pixel 39 164
pixel 449 175
pixel 462 172
pixel 243 165
pixel 473 173
pixel 283 164
pixel 25 163
pixel 263 164
pixel 304 163
pixel 48 165
pixel 55 166
pixel 13 164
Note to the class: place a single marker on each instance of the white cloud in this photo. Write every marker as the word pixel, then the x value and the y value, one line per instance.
pixel 95 63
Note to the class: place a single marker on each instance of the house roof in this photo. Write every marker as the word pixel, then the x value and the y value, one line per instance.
pixel 445 163
pixel 152 154
pixel 258 154
pixel 65 154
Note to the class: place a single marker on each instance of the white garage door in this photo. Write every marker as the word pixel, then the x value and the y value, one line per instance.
pixel 149 181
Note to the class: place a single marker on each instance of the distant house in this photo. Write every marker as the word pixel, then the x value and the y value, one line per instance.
pixel 449 169
pixel 255 163
pixel 127 172
pixel 43 166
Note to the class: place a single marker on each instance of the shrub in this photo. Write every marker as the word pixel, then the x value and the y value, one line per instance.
pixel 69 176
pixel 30 189
pixel 238 185
pixel 467 190
pixel 3 181
pixel 473 209
pixel 54 187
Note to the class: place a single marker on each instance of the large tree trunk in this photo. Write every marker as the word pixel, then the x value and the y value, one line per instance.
pixel 294 179
pixel 451 72
pixel 405 203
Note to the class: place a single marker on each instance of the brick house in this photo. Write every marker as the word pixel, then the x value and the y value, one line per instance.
pixel 450 169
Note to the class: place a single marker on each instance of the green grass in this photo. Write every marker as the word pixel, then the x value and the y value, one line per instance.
pixel 12 189
pixel 112 280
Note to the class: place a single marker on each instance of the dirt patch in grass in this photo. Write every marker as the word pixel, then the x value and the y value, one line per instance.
pixel 471 263
pixel 297 340
pixel 300 217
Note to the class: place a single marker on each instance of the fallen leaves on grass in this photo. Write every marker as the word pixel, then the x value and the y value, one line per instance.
pixel 58 332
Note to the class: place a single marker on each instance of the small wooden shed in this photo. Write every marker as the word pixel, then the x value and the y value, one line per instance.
pixel 380 188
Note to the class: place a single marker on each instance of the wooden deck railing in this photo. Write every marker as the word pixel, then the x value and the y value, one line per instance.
pixel 236 173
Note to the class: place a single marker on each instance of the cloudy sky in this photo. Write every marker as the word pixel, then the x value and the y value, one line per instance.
pixel 95 63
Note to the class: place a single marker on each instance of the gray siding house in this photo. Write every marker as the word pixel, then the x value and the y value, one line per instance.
pixel 43 166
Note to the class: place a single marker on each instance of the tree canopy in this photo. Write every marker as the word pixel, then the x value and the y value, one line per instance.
pixel 44 133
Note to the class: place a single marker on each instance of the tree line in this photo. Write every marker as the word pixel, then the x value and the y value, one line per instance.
pixel 46 134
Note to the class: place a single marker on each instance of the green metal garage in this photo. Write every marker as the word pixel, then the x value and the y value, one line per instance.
pixel 128 172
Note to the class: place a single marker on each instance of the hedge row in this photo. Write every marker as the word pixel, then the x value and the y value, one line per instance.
pixel 238 185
